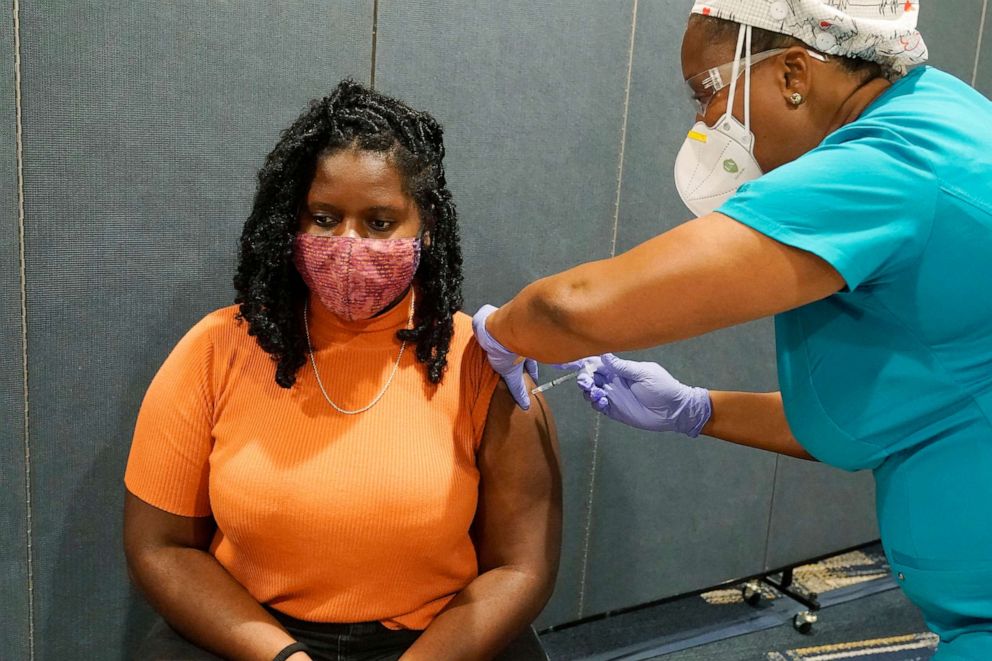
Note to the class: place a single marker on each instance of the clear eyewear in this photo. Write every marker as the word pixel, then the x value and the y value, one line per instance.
pixel 704 86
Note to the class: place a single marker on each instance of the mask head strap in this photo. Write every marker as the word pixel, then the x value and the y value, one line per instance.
pixel 747 81
pixel 743 39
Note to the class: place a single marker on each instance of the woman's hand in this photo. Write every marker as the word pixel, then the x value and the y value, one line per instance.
pixel 506 363
pixel 643 395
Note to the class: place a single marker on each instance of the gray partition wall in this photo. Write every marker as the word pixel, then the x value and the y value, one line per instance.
pixel 144 125
pixel 14 629
pixel 982 76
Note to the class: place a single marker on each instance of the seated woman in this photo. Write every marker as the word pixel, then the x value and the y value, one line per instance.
pixel 332 462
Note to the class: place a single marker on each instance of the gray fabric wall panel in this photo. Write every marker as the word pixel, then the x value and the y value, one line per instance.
pixel 13 506
pixel 531 97
pixel 950 28
pixel 818 510
pixel 983 78
pixel 672 514
pixel 143 131
pixel 144 127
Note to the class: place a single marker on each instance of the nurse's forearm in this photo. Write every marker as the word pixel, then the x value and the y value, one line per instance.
pixel 753 419
pixel 706 274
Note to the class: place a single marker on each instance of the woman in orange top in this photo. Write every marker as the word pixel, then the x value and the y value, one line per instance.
pixel 331 469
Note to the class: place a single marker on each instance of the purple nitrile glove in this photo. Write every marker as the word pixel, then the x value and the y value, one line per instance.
pixel 643 395
pixel 504 361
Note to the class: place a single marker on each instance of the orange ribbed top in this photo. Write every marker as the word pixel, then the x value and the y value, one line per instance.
pixel 324 516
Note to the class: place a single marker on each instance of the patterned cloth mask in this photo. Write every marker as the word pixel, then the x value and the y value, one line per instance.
pixel 356 278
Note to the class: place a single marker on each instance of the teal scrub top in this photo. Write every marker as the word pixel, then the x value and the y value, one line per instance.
pixel 899 202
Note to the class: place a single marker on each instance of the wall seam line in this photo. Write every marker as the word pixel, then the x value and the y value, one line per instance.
pixel 771 511
pixel 375 39
pixel 623 132
pixel 978 46
pixel 594 460
pixel 588 527
pixel 19 141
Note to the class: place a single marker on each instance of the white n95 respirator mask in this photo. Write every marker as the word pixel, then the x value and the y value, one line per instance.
pixel 715 160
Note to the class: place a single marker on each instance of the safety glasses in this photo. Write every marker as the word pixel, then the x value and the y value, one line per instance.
pixel 703 86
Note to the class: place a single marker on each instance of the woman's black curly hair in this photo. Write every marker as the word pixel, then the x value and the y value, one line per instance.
pixel 271 293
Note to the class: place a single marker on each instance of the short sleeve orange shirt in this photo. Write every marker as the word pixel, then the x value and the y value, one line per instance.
pixel 324 516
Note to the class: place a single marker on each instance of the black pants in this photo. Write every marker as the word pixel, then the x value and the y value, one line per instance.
pixel 328 642
pixel 362 641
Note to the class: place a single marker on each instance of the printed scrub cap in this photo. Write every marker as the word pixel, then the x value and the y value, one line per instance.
pixel 882 31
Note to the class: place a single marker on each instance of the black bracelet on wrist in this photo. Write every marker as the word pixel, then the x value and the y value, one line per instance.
pixel 289 651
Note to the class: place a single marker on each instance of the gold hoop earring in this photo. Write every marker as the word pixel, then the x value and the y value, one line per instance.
pixel 797 99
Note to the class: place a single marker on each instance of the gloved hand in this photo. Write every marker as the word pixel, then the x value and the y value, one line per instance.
pixel 643 395
pixel 508 364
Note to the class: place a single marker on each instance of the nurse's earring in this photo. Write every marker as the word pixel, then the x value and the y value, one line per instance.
pixel 797 99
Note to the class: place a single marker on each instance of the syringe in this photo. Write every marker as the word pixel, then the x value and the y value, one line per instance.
pixel 555 382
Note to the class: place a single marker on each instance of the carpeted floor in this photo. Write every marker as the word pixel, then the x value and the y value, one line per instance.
pixel 865 618
pixel 841 632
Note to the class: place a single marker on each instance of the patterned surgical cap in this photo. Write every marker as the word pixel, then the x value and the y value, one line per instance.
pixel 882 31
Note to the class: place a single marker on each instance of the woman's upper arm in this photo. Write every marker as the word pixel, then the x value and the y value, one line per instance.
pixel 148 528
pixel 518 521
pixel 706 274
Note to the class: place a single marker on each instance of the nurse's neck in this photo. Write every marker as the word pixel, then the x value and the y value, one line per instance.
pixel 853 103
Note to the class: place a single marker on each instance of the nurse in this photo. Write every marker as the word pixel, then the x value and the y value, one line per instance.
pixel 849 195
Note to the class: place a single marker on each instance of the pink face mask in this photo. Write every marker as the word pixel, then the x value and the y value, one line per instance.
pixel 356 278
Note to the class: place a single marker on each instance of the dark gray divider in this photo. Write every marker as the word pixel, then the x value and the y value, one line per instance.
pixel 952 36
pixel 13 505
pixel 143 131
pixel 672 514
pixel 983 81
pixel 531 96
pixel 144 127
pixel 818 510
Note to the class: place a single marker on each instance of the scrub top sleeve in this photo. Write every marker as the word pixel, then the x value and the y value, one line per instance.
pixel 863 201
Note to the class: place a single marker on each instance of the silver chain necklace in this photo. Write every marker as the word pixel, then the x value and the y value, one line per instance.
pixel 316 373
